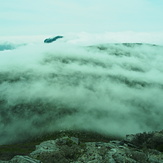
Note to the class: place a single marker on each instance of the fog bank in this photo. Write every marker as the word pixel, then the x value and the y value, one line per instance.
pixel 114 89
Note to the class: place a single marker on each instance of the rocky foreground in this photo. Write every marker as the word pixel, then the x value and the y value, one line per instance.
pixel 139 148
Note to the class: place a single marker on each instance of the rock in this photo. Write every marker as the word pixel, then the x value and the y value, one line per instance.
pixel 75 140
pixel 22 159
pixel 46 147
pixel 50 40
pixel 70 149
pixel 63 149
pixel 153 160
pixel 129 138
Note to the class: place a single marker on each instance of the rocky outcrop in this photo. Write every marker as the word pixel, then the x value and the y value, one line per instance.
pixel 71 150
pixel 22 159
pixel 50 40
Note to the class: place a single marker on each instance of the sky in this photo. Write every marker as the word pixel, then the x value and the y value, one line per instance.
pixel 49 17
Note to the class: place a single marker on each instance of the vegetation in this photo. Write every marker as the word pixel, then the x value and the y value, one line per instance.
pixel 25 147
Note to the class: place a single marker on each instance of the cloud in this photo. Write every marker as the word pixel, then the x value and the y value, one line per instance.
pixel 107 88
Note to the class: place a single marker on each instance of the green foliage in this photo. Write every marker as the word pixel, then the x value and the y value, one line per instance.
pixel 153 140
pixel 53 157
pixel 141 139
pixel 160 148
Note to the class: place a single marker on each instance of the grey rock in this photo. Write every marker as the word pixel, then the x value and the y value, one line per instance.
pixel 45 147
pixel 75 140
pixel 70 149
pixel 22 159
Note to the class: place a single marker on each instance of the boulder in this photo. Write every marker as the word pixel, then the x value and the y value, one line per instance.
pixel 45 147
pixel 22 159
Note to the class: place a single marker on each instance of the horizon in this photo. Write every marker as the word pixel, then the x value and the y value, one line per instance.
pixel 85 38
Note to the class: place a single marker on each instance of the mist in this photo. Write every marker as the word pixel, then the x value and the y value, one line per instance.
pixel 113 89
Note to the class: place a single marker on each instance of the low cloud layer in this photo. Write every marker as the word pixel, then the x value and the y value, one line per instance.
pixel 116 89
